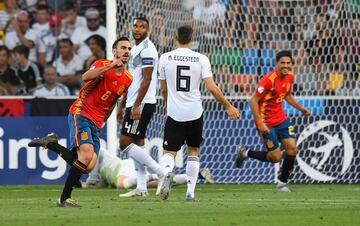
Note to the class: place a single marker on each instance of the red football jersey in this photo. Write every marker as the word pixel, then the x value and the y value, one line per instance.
pixel 97 96
pixel 272 89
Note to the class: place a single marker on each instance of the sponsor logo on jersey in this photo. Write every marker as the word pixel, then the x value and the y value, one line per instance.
pixel 333 145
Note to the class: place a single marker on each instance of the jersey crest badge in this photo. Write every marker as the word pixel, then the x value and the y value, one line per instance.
pixel 261 89
pixel 270 144
pixel 84 136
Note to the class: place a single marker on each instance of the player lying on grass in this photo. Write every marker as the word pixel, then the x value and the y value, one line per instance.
pixel 120 173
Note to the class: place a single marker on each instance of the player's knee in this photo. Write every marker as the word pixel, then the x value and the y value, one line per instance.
pixel 86 159
pixel 90 167
pixel 192 151
pixel 291 151
pixel 124 142
pixel 274 156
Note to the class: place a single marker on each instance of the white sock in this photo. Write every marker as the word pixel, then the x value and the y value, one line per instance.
pixel 192 173
pixel 140 176
pixel 153 177
pixel 167 162
pixel 130 182
pixel 180 179
pixel 140 155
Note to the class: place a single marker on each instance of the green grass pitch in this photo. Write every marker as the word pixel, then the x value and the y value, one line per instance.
pixel 218 205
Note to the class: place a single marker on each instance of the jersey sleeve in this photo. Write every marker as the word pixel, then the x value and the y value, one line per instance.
pixel 161 68
pixel 291 83
pixel 263 87
pixel 148 57
pixel 100 63
pixel 206 68
pixel 129 79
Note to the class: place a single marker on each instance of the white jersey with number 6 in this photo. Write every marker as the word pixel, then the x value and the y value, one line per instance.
pixel 183 70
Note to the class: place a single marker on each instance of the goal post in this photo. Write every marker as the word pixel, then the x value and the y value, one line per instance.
pixel 111 25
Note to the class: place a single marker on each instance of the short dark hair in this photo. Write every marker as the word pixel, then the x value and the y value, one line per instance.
pixel 42 7
pixel 68 5
pixel 184 34
pixel 98 39
pixel 283 53
pixel 143 19
pixel 23 50
pixel 5 48
pixel 66 40
pixel 123 38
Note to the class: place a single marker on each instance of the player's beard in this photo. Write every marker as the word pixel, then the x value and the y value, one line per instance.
pixel 285 73
pixel 127 58
pixel 139 37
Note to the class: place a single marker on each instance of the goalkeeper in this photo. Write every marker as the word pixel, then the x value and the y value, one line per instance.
pixel 271 122
pixel 120 173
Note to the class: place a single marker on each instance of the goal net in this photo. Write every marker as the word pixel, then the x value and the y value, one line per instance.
pixel 241 39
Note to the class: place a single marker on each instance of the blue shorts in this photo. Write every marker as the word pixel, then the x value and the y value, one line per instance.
pixel 83 131
pixel 277 133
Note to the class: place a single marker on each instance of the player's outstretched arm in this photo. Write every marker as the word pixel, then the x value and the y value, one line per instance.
pixel 232 112
pixel 96 72
pixel 293 102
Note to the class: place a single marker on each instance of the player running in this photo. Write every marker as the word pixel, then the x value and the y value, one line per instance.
pixel 271 122
pixel 105 82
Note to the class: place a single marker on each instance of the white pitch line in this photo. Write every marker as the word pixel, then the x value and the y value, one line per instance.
pixel 290 201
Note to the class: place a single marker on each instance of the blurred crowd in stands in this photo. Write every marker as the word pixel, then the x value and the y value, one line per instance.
pixel 46 47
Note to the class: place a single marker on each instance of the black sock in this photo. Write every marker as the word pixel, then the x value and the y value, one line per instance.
pixel 65 153
pixel 259 155
pixel 71 180
pixel 286 168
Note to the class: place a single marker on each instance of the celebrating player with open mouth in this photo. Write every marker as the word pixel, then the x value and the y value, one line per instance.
pixel 105 81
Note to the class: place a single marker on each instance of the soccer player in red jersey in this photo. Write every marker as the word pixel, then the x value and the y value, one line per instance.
pixel 270 119
pixel 105 82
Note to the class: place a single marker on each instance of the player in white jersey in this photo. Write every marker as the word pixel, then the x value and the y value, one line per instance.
pixel 181 72
pixel 140 104
pixel 121 173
